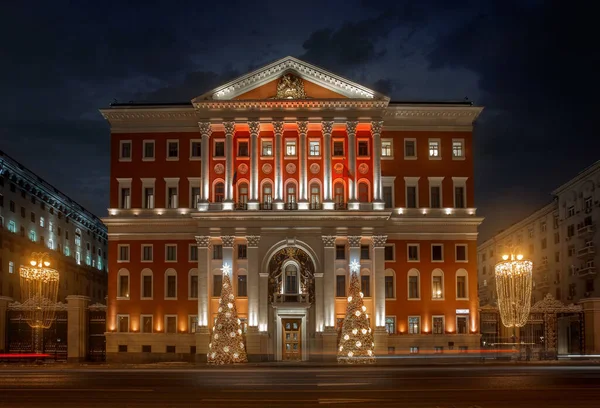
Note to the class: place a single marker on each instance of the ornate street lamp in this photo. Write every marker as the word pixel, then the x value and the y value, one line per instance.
pixel 513 285
pixel 39 289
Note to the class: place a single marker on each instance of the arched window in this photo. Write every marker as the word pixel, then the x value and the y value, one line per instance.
pixel 414 285
pixel 339 195
pixel 219 192
pixel 170 284
pixel 123 284
pixel 315 196
pixel 267 195
pixel 390 284
pixel 147 284
pixel 437 284
pixel 193 284
pixel 462 284
pixel 291 279
pixel 290 196
pixel 243 193
pixel 363 192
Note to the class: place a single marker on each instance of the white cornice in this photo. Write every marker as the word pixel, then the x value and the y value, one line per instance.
pixel 290 104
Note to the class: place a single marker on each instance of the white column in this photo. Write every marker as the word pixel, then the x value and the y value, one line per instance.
pixel 329 280
pixel 278 188
pixel 379 301
pixel 253 279
pixel 203 243
pixel 351 131
pixel 376 128
pixel 302 188
pixel 229 130
pixel 205 131
pixel 263 304
pixel 254 130
pixel 327 128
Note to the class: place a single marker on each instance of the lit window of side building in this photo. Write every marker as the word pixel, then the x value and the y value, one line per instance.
pixel 288 198
pixel 37 217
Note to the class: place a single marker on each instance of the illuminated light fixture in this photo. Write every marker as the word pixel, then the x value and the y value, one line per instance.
pixel 354 266
pixel 424 212
pixel 226 268
pixel 400 211
pixel 448 211
pixel 514 282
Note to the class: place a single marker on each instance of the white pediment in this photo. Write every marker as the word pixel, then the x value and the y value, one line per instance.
pixel 304 70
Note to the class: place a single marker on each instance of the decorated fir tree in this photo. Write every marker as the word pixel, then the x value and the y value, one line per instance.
pixel 356 342
pixel 227 342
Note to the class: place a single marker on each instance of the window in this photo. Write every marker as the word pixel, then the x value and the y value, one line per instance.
pixel 267 195
pixel 217 283
pixel 267 148
pixel 544 243
pixel 340 285
pixel 170 284
pixel 556 237
pixel 389 286
pixel 438 349
pixel 413 252
pixel 146 323
pixel 390 324
pixel 219 148
pixel 365 252
pixel 147 283
pixel 11 267
pixel 437 284
pixel 22 212
pixel 172 149
pixel 146 253
pixel 388 253
pixel 437 325
pixel 171 253
pixel 340 252
pixel 42 222
pixel 290 198
pixel 314 148
pixel 437 252
pixel 414 350
pixel 339 195
pixel 543 226
pixel 363 192
pixel 243 195
pixel 410 148
pixel 557 256
pixel 123 284
pixel 458 148
pixel 170 327
pixel 291 279
pixel 12 227
pixel 315 196
pixel 434 149
pixel 413 284
pixel 365 285
pixel 148 150
pixel 217 251
pixel 242 251
pixel 461 324
pixel 193 326
pixel 219 192
pixel 242 149
pixel 125 150
pixel 125 198
pixel 32 235
pixel 172 201
pixel 32 217
pixel 242 286
pixel 387 149
pixel 170 349
pixel 193 293
pixel 193 253
pixel 411 197
pixel 461 284
pixel 414 324
pixel 570 230
pixel 124 253
pixel 195 197
pixel 363 148
pixel 123 327
pixel 12 206
pixel 461 253
pixel 435 197
pixel 195 149
pixel 338 148
pixel 290 147
pixel 571 211
pixel 459 197
pixel 388 196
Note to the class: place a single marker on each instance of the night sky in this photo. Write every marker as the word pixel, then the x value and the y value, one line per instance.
pixel 532 64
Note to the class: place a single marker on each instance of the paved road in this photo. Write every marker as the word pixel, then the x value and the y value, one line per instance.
pixel 460 386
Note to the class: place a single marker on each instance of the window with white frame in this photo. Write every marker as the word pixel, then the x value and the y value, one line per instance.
pixel 147 254
pixel 462 289
pixel 242 285
pixel 123 253
pixel 146 323
pixel 172 191
pixel 437 325
pixel 390 324
pixel 194 191
pixel 171 253
pixel 414 285
pixel 390 284
pixel 196 149
pixel 387 149
pixel 414 324
pixel 462 324
pixel 148 151
pixel 461 252
pixel 363 148
pixel 124 193
pixel 389 252
pixel 412 251
pixel 147 284
pixel 458 149
pixel 170 323
pixel 437 284
pixel 148 192
pixel 125 150
pixel 338 148
pixel 123 323
pixel 412 191
pixel 460 192
pixel 410 149
pixel 193 284
pixel 42 222
pixel 193 323
pixel 290 147
pixel 437 252
pixel 123 284
pixel 170 284
pixel 387 183
pixel 314 148
pixel 193 253
pixel 219 148
pixel 267 148
pixel 242 150
pixel 435 192
pixel 434 149
pixel 172 149
pixel 11 267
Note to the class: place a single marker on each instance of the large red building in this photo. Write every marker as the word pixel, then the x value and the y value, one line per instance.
pixel 287 174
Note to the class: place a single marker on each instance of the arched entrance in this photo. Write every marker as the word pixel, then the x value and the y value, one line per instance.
pixel 291 294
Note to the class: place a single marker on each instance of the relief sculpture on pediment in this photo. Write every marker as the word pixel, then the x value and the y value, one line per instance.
pixel 290 87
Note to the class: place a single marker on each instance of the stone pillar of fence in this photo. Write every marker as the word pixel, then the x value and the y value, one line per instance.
pixel 4 301
pixel 591 313
pixel 77 332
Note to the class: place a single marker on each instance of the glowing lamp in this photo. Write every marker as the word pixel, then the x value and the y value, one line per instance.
pixel 514 282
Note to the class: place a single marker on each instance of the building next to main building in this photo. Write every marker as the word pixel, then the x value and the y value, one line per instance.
pixel 560 240
pixel 288 174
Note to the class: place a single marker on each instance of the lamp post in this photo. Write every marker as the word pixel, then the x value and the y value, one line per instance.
pixel 39 289
pixel 513 285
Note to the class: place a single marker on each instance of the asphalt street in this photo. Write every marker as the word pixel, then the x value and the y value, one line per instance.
pixel 484 386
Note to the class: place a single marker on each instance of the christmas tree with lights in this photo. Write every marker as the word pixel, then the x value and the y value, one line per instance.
pixel 356 343
pixel 227 342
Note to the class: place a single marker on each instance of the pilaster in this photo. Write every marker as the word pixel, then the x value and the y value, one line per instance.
pixel 351 131
pixel 376 128
pixel 254 131
pixel 253 279
pixel 229 130
pixel 380 338
pixel 205 132
pixel 302 187
pixel 202 342
pixel 228 241
pixel 379 301
pixel 319 302
pixel 278 187
pixel 263 302
pixel 4 302
pixel 77 327
pixel 203 242
pixel 327 129
pixel 328 280
pixel 330 344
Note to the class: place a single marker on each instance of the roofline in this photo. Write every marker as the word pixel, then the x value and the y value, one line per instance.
pixel 428 103
pixel 581 175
